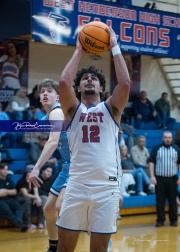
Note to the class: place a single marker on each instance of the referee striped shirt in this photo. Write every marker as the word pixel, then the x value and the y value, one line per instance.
pixel 166 160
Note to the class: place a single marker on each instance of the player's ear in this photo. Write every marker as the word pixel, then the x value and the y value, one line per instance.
pixel 57 98
pixel 78 89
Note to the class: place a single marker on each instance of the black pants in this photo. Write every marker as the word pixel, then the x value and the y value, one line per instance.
pixel 166 188
pixel 11 209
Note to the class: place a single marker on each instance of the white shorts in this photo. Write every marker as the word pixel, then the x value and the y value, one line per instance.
pixel 90 208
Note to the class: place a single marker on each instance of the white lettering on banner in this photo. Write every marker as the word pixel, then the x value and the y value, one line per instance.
pixel 149 18
pixel 107 11
pixel 63 4
pixel 171 21
pixel 143 49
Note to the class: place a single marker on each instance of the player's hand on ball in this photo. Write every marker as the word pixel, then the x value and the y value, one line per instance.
pixel 113 38
pixel 79 46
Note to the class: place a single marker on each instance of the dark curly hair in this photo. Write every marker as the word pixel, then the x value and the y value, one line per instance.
pixel 92 70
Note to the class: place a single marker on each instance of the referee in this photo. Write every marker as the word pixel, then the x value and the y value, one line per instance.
pixel 164 161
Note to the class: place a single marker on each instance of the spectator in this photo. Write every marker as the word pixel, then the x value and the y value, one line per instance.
pixel 18 107
pixel 36 150
pixel 25 196
pixel 163 164
pixel 129 136
pixel 162 105
pixel 31 138
pixel 30 200
pixel 140 154
pixel 35 104
pixel 121 140
pixel 127 184
pixel 44 189
pixel 139 174
pixel 144 111
pixel 9 206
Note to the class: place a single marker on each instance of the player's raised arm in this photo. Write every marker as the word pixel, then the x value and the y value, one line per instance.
pixel 120 94
pixel 67 95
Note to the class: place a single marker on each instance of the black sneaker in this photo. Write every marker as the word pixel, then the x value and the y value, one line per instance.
pixel 159 224
pixel 174 224
pixel 24 228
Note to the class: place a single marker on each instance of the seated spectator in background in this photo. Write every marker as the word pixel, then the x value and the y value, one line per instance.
pixel 29 198
pixel 126 116
pixel 129 136
pixel 177 138
pixel 144 111
pixel 9 206
pixel 162 106
pixel 35 104
pixel 19 106
pixel 8 138
pixel 44 189
pixel 140 154
pixel 35 152
pixel 127 184
pixel 121 140
pixel 140 176
pixel 31 138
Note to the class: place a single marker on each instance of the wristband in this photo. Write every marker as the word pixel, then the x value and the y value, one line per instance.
pixel 116 50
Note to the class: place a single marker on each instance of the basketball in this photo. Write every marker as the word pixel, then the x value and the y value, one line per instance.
pixel 94 37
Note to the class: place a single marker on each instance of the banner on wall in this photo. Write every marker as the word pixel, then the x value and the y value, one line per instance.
pixel 142 31
pixel 13 68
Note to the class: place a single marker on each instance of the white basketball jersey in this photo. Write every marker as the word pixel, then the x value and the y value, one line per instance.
pixel 10 72
pixel 93 142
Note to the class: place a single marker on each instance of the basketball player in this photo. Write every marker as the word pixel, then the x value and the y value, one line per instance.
pixel 48 90
pixel 91 197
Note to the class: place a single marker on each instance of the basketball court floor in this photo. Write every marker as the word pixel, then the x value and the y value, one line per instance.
pixel 135 233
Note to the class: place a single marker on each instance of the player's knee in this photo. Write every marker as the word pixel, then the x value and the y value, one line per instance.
pixel 58 205
pixel 48 209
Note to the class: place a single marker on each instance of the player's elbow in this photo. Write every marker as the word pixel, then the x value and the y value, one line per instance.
pixel 126 83
pixel 63 82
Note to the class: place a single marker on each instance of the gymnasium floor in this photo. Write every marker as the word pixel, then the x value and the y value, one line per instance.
pixel 135 234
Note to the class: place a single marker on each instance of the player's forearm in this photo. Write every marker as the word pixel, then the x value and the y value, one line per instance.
pixel 47 152
pixel 121 70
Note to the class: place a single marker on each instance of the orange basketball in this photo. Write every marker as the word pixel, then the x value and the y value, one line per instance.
pixel 94 37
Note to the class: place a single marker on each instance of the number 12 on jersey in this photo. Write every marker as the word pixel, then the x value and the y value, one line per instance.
pixel 90 134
